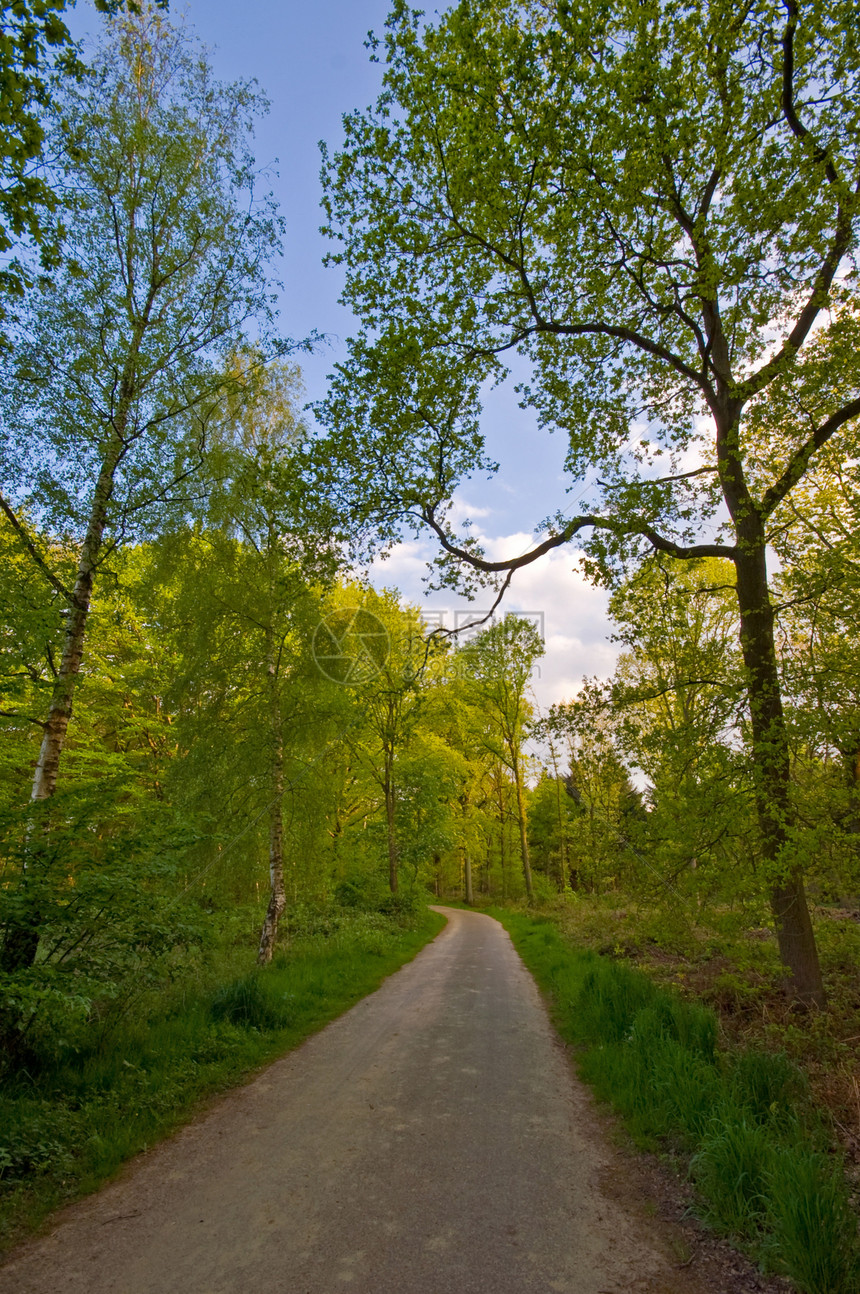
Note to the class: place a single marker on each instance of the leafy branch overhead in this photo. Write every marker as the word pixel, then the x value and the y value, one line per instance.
pixel 651 211
pixel 36 49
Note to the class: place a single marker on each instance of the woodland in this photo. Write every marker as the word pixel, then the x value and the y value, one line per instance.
pixel 233 773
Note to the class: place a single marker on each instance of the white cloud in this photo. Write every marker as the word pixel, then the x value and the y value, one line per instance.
pixel 462 510
pixel 575 621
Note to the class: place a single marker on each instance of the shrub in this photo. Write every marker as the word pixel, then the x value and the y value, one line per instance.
pixel 248 1002
pixel 731 1170
pixel 814 1226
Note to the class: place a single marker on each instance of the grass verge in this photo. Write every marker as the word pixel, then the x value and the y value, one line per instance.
pixel 759 1154
pixel 69 1126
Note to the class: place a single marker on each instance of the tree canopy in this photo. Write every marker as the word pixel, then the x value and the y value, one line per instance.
pixel 655 208
pixel 35 46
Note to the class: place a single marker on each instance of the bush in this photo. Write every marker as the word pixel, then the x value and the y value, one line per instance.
pixel 814 1226
pixel 33 1139
pixel 732 1171
pixel 249 1003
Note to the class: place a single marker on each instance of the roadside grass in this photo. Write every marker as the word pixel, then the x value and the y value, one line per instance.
pixel 727 958
pixel 68 1124
pixel 759 1152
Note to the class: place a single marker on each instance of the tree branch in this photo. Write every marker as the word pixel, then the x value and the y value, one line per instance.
pixel 656 540
pixel 16 714
pixel 21 531
pixel 842 234
pixel 617 331
pixel 819 153
pixel 800 459
pixel 665 480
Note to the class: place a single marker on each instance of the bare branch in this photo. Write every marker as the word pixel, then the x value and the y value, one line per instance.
pixel 475 624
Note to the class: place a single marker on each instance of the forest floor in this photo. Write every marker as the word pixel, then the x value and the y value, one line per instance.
pixel 723 959
pixel 434 1138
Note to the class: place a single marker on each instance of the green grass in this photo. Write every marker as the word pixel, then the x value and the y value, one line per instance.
pixel 68 1126
pixel 758 1152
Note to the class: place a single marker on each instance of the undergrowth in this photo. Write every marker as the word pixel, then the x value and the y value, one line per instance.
pixel 759 1153
pixel 70 1117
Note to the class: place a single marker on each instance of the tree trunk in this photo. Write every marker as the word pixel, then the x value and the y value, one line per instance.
pixel 502 851
pixel 277 890
pixel 388 790
pixel 467 877
pixel 562 832
pixel 21 937
pixel 771 767
pixel 524 840
pixel 60 711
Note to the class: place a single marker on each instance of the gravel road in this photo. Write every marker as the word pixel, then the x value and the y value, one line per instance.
pixel 431 1141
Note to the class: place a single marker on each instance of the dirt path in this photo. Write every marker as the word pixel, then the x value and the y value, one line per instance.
pixel 433 1139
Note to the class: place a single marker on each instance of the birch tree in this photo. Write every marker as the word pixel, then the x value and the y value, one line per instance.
pixel 116 370
pixel 654 209
pixel 36 49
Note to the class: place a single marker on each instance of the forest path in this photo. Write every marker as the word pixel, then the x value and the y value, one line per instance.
pixel 431 1140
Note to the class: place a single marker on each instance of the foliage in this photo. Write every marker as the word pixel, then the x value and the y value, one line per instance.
pixel 35 44
pixel 113 360
pixel 654 213
pixel 111 913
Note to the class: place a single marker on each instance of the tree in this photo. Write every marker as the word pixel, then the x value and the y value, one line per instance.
pixel 819 590
pixel 553 819
pixel 676 704
pixel 598 781
pixel 655 209
pixel 390 647
pixel 497 668
pixel 35 44
pixel 247 599
pixel 118 368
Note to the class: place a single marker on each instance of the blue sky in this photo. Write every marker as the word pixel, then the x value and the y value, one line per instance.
pixel 310 60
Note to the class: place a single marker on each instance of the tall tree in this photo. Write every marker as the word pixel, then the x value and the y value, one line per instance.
pixel 36 44
pixel 385 654
pixel 498 666
pixel 655 207
pixel 117 369
pixel 676 706
pixel 260 571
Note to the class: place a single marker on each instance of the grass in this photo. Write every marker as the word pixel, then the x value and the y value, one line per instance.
pixel 759 1153
pixel 68 1126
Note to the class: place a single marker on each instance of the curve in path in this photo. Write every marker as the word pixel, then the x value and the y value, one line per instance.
pixel 431 1140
